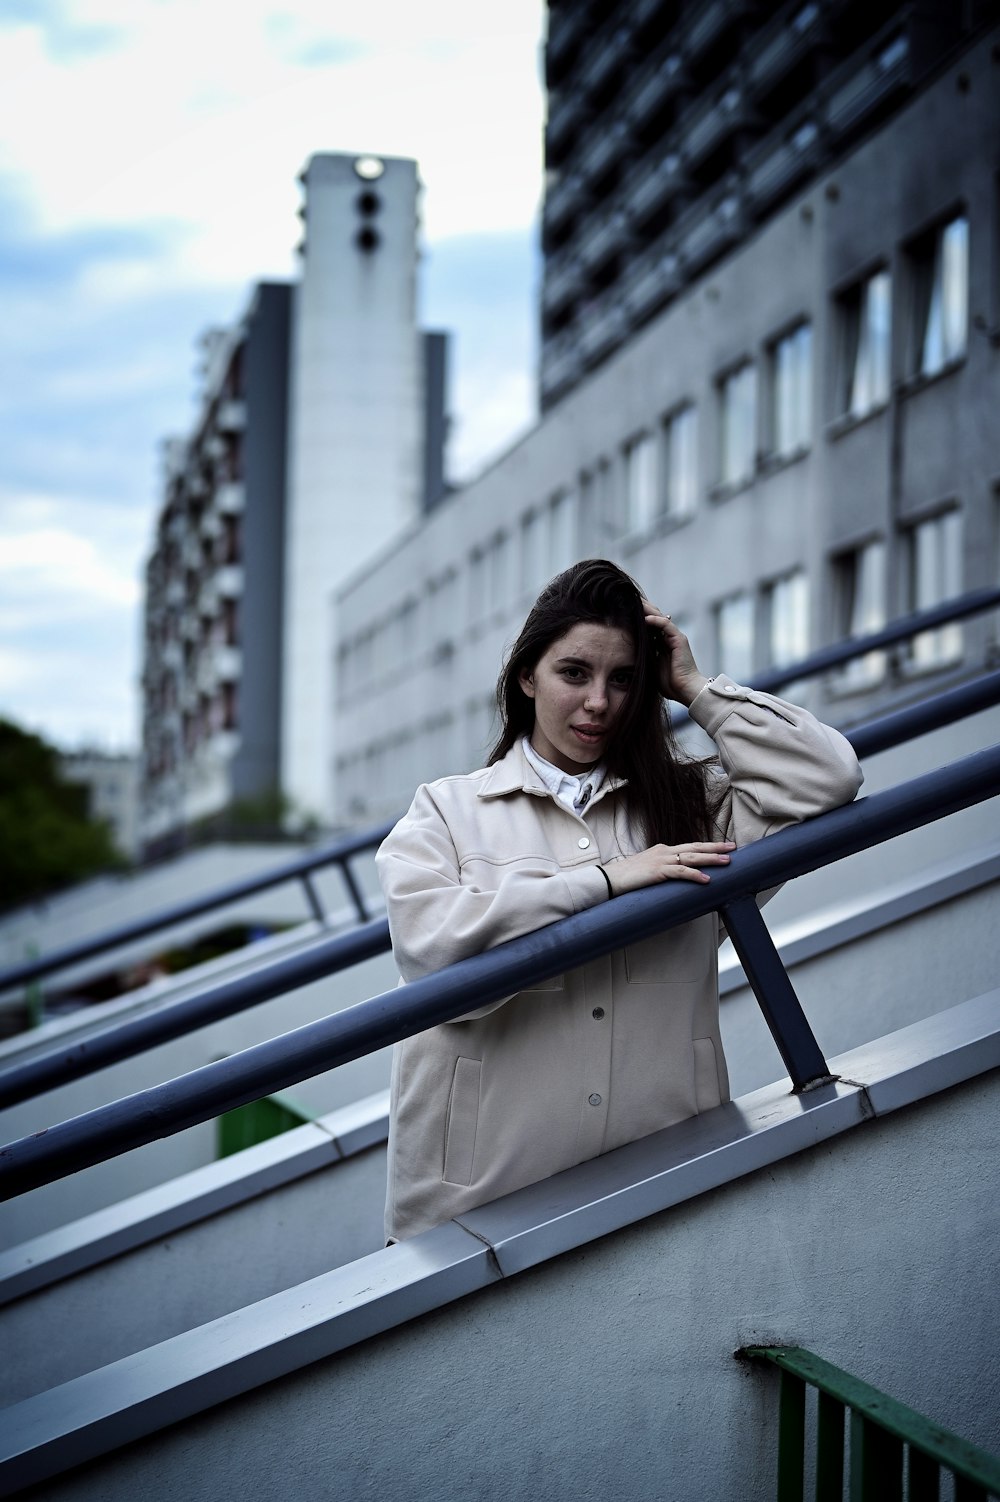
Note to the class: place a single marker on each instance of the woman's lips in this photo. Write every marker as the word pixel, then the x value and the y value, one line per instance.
pixel 589 733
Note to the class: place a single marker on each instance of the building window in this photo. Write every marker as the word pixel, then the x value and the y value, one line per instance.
pixel 562 531
pixel 680 462
pixel 865 325
pixel 640 483
pixel 940 264
pixel 734 637
pixel 934 575
pixel 786 606
pixel 478 578
pixel 791 392
pixel 534 552
pixel 738 425
pixel 859 609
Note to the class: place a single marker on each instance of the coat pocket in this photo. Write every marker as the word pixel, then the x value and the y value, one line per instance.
pixel 463 1119
pixel 707 1091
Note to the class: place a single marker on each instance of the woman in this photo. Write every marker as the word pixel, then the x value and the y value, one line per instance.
pixel 585 796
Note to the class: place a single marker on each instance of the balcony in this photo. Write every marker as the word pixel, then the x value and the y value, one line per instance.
pixel 605 142
pixel 653 184
pixel 711 24
pixel 562 283
pixel 564 200
pixel 566 115
pixel 779 165
pixel 710 123
pixel 857 92
pixel 604 326
pixel 230 498
pixel 602 60
pixel 784 45
pixel 229 581
pixel 604 236
pixel 708 229
pixel 231 416
pixel 658 83
pixel 227 663
pixel 567 25
pixel 560 364
pixel 654 279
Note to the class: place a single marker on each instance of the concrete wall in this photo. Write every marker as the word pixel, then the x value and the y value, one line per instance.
pixel 192 1276
pixel 610 1373
pixel 106 1183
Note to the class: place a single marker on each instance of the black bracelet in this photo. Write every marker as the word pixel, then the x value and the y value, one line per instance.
pixel 607 878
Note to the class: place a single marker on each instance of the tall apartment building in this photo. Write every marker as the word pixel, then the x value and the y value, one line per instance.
pixel 798 444
pixel 675 128
pixel 320 435
pixel 211 685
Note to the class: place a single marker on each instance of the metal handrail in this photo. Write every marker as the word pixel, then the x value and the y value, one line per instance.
pixel 472 983
pixel 299 869
pixel 173 1018
pixel 897 631
pixel 880 1428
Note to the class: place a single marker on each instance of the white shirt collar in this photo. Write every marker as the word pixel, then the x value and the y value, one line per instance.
pixel 572 792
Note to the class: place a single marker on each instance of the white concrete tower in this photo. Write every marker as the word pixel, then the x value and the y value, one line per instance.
pixel 354 436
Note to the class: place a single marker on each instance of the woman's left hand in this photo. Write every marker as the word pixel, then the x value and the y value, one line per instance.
pixel 680 678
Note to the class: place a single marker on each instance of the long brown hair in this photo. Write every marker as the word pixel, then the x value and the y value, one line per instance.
pixel 667 796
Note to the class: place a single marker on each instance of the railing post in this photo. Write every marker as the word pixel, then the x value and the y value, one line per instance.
pixel 829 1449
pixel 354 889
pixel 313 898
pixel 775 993
pixel 791 1437
pixel 923 1477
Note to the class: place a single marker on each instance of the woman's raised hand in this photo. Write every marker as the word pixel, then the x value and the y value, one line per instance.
pixel 680 678
pixel 667 863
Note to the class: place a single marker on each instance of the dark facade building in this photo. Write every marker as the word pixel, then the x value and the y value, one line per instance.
pixel 676 127
pixel 211 686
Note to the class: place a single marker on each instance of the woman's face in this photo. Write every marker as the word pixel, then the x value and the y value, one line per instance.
pixel 579 685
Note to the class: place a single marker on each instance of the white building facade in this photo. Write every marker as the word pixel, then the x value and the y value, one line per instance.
pixel 355 458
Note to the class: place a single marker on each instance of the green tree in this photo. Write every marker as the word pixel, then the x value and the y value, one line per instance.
pixel 47 838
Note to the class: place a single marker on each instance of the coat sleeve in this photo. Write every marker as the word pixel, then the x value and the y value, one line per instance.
pixel 435 919
pixel 781 764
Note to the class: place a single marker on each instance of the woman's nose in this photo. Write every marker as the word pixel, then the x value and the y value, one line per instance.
pixel 597 697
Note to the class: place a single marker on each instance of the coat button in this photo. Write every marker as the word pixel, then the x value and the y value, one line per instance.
pixel 598 1013
pixel 583 843
pixel 595 1100
pixel 729 689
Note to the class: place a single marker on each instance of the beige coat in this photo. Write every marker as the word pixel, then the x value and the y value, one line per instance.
pixel 611 1051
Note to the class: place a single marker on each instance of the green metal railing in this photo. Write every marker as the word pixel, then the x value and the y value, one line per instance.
pixel 893 1451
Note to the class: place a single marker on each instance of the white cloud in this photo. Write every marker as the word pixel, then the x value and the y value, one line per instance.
pixel 161 139
pixel 205 115
pixel 51 571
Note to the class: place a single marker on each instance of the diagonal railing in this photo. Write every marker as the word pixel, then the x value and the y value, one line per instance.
pixel 173 1018
pixel 509 968
pixel 302 868
pixel 894 1452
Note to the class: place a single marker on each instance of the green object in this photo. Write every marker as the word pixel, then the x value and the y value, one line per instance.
pixel 34 1001
pixel 895 1452
pixel 257 1121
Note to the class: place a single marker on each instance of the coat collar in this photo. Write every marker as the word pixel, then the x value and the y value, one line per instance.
pixel 515 774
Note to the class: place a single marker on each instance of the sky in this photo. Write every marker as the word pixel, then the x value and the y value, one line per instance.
pixel 149 151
